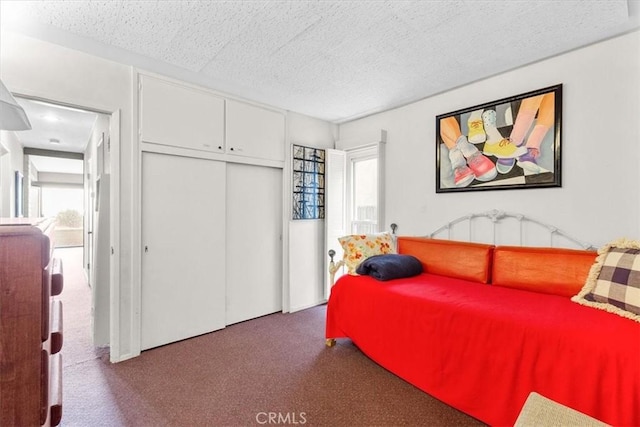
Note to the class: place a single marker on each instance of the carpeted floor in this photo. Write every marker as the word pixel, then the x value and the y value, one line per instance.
pixel 274 370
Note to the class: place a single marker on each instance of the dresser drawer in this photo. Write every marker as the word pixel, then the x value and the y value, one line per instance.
pixel 45 303
pixel 55 389
pixel 56 326
pixel 56 277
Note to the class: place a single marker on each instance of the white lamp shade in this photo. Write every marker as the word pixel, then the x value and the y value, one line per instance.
pixel 12 115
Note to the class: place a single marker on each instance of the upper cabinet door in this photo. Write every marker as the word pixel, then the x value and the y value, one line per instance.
pixel 180 116
pixel 254 132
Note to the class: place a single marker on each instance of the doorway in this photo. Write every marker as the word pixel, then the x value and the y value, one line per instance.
pixel 65 158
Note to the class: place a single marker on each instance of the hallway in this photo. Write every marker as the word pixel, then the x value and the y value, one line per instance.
pixel 78 353
pixel 76 301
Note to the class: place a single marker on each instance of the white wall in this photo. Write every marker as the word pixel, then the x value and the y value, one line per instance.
pixel 600 195
pixel 10 162
pixel 36 68
pixel 306 237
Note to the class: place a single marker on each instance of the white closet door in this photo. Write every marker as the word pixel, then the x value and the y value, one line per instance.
pixel 183 245
pixel 254 241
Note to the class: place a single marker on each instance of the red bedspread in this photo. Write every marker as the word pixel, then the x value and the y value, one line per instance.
pixel 483 349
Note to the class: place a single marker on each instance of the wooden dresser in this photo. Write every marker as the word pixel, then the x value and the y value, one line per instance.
pixel 30 325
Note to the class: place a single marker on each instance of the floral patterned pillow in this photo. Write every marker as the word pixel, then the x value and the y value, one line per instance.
pixel 359 247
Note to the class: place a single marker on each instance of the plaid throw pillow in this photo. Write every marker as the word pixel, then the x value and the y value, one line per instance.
pixel 614 280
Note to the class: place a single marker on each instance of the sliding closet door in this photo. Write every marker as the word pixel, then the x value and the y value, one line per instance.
pixel 183 245
pixel 254 241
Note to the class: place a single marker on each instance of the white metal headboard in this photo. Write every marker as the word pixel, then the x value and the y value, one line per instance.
pixel 496 217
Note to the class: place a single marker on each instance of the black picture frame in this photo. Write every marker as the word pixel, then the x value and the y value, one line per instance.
pixel 511 143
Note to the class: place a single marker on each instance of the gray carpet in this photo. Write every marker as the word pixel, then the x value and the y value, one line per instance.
pixel 271 370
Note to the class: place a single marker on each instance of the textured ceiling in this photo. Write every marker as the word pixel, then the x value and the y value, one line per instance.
pixel 335 60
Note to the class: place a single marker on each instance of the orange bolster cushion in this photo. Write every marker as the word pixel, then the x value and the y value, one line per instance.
pixel 547 270
pixel 461 260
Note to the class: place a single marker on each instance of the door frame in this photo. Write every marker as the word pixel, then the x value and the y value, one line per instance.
pixel 114 221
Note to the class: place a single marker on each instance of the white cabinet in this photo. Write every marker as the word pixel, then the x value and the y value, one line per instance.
pixel 254 131
pixel 183 248
pixel 211 204
pixel 177 115
pixel 181 116
pixel 254 241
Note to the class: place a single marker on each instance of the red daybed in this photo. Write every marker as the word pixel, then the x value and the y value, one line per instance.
pixel 484 326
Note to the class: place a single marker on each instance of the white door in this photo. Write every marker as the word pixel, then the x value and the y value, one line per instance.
pixel 183 248
pixel 89 204
pixel 254 241
pixel 335 220
pixel 354 197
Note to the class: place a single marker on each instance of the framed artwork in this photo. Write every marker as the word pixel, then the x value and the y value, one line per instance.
pixel 511 143
pixel 308 182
